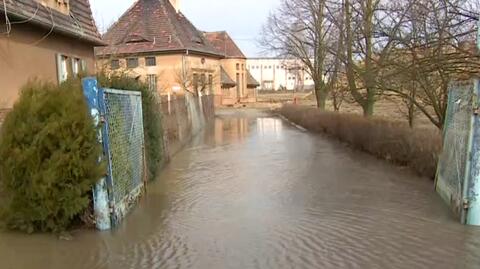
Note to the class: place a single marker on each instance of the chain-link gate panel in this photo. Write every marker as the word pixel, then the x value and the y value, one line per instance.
pixel 453 163
pixel 125 134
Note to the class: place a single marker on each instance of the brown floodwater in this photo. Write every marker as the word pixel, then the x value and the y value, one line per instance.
pixel 255 192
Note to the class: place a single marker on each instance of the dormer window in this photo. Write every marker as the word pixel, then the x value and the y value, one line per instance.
pixel 62 6
pixel 197 40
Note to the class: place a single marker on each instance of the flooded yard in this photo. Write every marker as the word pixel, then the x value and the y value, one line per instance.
pixel 252 191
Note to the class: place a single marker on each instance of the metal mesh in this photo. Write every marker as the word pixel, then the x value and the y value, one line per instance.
pixel 453 162
pixel 125 135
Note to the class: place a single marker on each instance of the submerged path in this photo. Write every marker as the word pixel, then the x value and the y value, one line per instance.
pixel 255 192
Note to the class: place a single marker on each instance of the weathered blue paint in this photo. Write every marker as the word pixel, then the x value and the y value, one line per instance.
pixel 100 190
pixel 472 193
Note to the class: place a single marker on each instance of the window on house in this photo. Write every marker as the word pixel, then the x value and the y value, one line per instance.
pixel 152 82
pixel 243 84
pixel 78 66
pixel 195 81
pixel 132 62
pixel 62 68
pixel 150 61
pixel 115 64
pixel 238 66
pixel 238 86
pixel 243 67
pixel 210 83
pixel 203 81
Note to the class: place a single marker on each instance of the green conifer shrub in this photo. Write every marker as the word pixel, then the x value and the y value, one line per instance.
pixel 49 158
pixel 152 119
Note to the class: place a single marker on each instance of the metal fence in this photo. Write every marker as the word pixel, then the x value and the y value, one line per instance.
pixel 457 166
pixel 119 116
pixel 125 144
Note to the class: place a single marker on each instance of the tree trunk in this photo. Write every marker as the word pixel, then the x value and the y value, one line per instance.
pixel 321 96
pixel 369 104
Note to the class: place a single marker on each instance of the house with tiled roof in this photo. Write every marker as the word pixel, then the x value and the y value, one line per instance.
pixel 155 42
pixel 48 39
pixel 234 66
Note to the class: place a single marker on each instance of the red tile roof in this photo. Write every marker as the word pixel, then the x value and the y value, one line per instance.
pixel 79 23
pixel 224 44
pixel 154 26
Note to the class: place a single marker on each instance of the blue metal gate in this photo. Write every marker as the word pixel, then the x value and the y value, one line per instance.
pixel 119 115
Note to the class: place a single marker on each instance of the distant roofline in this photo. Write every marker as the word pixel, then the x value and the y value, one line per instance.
pixel 269 58
pixel 161 51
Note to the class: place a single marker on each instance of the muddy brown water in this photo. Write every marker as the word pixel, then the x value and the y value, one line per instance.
pixel 255 192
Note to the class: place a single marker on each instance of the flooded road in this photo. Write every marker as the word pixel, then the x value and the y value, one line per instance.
pixel 255 192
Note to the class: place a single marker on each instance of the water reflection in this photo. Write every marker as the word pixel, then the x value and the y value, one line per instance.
pixel 270 127
pixel 255 192
pixel 232 130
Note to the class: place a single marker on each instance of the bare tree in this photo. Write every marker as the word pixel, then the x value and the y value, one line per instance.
pixel 434 49
pixel 196 81
pixel 299 29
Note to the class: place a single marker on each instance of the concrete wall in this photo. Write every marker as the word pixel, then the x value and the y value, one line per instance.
pixel 178 121
pixel 26 54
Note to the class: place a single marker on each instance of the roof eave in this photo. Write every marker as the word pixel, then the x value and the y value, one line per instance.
pixel 58 29
pixel 166 51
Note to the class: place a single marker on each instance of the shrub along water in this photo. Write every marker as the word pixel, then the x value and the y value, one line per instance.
pixel 152 119
pixel 49 154
pixel 393 141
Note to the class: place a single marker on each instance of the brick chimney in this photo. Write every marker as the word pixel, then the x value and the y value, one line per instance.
pixel 176 4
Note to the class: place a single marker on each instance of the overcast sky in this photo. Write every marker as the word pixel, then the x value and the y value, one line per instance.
pixel 243 19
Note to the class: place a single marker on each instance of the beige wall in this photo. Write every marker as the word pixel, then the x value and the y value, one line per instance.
pixel 168 69
pixel 24 55
pixel 230 66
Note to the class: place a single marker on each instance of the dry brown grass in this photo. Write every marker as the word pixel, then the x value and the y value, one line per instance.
pixel 390 140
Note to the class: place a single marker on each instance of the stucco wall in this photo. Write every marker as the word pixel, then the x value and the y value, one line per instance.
pixel 168 69
pixel 234 94
pixel 25 55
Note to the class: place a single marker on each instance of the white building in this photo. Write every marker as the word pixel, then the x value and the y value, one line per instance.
pixel 280 74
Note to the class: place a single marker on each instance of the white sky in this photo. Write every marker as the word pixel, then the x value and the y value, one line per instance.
pixel 242 19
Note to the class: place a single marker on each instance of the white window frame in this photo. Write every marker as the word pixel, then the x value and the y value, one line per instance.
pixel 62 67
pixel 152 81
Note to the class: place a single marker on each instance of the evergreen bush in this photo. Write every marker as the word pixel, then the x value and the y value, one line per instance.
pixel 152 119
pixel 49 158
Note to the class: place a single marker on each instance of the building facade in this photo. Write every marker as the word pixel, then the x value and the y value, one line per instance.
pixel 275 74
pixel 46 39
pixel 154 42
pixel 234 69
